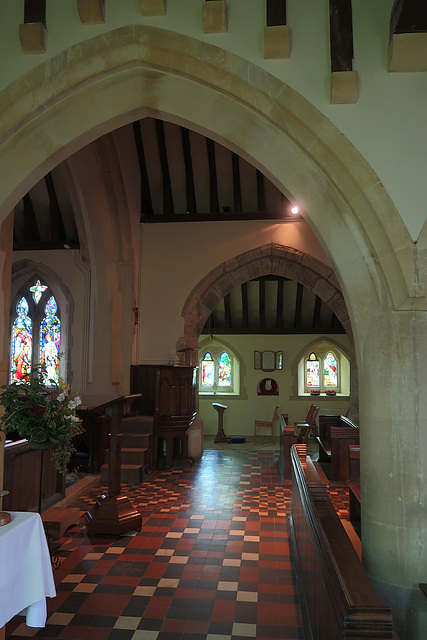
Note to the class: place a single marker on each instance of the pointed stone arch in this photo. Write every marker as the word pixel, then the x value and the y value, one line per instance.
pixel 268 259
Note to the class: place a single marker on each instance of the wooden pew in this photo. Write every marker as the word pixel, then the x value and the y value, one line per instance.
pixel 353 483
pixel 336 433
pixel 337 598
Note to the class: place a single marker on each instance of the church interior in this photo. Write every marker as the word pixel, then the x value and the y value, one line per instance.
pixel 212 223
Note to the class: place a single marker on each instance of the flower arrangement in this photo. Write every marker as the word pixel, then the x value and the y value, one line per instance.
pixel 43 415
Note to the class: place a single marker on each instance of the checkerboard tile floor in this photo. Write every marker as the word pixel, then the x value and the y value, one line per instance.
pixel 211 561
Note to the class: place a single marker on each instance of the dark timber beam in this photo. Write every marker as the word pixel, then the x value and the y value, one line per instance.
pixel 227 311
pixel 245 308
pixel 189 175
pixel 344 81
pixel 56 224
pixel 168 207
pixel 298 306
pixel 146 202
pixel 31 230
pixel 276 32
pixel 260 190
pixel 213 182
pixel 33 32
pixel 408 36
pixel 279 306
pixel 261 304
pixel 237 190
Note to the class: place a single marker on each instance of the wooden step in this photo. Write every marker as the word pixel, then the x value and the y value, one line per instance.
pixel 137 424
pixel 137 440
pixel 129 473
pixel 58 519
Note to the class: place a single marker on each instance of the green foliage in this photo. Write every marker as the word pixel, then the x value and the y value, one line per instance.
pixel 45 416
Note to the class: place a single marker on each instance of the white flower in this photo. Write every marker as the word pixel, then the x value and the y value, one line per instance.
pixel 77 401
pixel 62 396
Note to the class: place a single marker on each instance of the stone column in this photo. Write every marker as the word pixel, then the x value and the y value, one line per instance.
pixel 392 368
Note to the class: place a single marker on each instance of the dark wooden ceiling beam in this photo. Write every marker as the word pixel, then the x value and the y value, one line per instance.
pixel 31 232
pixel 213 180
pixel 279 216
pixel 189 175
pixel 237 189
pixel 56 224
pixel 245 307
pixel 279 304
pixel 227 311
pixel 276 12
pixel 316 313
pixel 261 285
pixel 168 207
pixel 344 81
pixel 260 190
pixel 146 201
pixel 298 306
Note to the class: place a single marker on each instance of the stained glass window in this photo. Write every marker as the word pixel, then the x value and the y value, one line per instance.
pixel 21 343
pixel 330 374
pixel 224 370
pixel 312 371
pixel 35 335
pixel 50 343
pixel 208 370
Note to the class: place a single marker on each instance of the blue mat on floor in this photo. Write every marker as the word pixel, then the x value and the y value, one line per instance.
pixel 237 439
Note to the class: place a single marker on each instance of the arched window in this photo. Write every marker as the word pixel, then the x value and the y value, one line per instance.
pixel 219 371
pixel 325 370
pixel 35 335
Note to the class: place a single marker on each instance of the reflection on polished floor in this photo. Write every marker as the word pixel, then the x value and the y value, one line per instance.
pixel 211 562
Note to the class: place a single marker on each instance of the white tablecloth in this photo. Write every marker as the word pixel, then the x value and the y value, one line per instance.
pixel 26 577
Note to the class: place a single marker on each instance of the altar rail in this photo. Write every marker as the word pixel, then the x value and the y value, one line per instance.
pixel 337 598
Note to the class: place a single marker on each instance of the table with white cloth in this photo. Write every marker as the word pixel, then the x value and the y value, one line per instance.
pixel 26 577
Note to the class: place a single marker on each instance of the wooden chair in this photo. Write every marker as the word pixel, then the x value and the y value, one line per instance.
pixel 266 425
pixel 309 424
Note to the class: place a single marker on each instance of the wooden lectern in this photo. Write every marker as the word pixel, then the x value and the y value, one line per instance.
pixel 220 436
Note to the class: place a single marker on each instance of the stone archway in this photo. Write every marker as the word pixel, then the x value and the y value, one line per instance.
pixel 268 259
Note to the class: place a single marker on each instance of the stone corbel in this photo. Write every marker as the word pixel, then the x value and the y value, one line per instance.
pixel 277 41
pixel 91 11
pixel 214 16
pixel 407 49
pixel 33 37
pixel 344 87
pixel 152 7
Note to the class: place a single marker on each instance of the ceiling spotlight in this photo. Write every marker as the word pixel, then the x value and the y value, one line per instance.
pixel 294 210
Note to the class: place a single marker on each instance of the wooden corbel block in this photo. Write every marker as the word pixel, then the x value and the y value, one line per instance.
pixel 214 16
pixel 277 41
pixel 33 37
pixel 407 52
pixel 344 87
pixel 91 11
pixel 152 7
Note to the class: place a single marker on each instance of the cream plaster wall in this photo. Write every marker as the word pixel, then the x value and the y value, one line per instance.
pixel 169 271
pixel 244 409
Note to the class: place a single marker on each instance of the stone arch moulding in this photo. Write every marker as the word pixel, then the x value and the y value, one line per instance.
pixel 268 259
pixel 138 70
